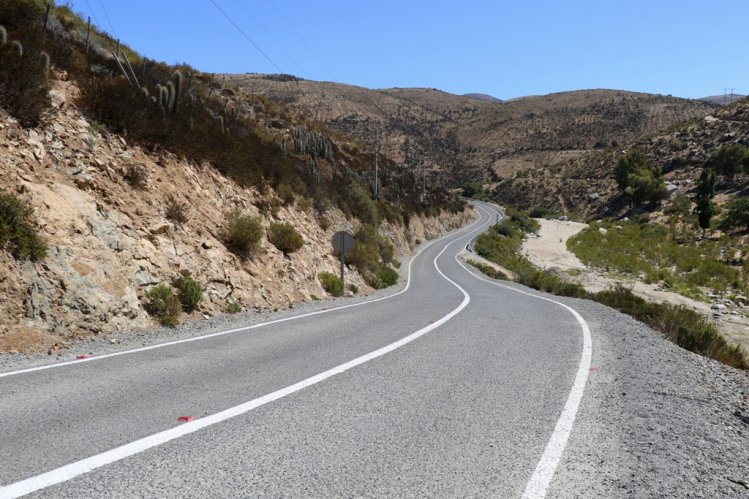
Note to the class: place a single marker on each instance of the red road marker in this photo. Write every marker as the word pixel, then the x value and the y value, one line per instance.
pixel 81 357
pixel 595 369
pixel 185 419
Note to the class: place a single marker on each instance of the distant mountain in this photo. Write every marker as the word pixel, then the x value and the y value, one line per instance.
pixel 722 99
pixel 484 97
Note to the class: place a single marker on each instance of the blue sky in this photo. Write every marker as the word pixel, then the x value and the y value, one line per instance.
pixel 507 49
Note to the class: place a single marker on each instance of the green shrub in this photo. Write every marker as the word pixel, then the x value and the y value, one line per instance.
pixel 353 288
pixel 683 326
pixel 331 283
pixel 176 211
pixel 136 176
pixel 640 179
pixel 241 234
pixel 190 292
pixel 488 270
pixel 233 307
pixel 18 234
pixel 324 223
pixel 164 304
pixel 729 160
pixel 736 214
pixel 285 237
pixel 388 276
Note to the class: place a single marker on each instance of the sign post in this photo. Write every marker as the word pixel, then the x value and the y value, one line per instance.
pixel 343 244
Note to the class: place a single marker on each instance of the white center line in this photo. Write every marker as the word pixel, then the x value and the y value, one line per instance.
pixel 72 470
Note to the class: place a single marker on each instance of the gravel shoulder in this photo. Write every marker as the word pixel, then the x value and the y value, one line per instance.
pixel 655 420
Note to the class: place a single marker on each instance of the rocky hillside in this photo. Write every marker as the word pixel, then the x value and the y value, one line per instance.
pixel 105 156
pixel 461 139
pixel 110 242
pixel 587 186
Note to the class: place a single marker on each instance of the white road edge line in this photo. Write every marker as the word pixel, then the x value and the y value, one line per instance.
pixel 540 480
pixel 72 470
pixel 246 328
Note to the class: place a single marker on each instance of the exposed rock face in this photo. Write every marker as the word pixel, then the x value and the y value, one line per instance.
pixel 109 242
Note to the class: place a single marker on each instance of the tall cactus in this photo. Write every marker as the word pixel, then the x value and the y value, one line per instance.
pixel 3 35
pixel 145 93
pixel 178 81
pixel 170 95
pixel 44 60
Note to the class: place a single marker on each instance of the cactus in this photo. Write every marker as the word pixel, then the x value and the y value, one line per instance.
pixel 221 122
pixel 178 80
pixel 3 35
pixel 163 96
pixel 170 96
pixel 283 149
pixel 18 48
pixel 44 59
pixel 145 93
pixel 153 99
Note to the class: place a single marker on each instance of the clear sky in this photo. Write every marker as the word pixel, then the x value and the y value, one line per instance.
pixel 686 48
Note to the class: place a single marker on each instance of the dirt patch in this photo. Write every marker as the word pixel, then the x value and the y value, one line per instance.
pixel 548 250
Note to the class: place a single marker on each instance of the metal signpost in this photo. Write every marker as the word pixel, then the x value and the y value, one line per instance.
pixel 343 244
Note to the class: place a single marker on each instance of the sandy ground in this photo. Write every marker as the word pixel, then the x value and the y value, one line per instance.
pixel 548 250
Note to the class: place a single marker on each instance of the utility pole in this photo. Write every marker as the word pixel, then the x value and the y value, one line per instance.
pixel 377 169
pixel 88 35
pixel 731 101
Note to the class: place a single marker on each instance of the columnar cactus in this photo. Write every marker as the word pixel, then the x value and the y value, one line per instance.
pixel 44 59
pixel 145 93
pixel 178 80
pixel 3 35
pixel 171 96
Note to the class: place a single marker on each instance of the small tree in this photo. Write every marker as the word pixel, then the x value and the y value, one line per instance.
pixel 639 179
pixel 729 160
pixel 190 292
pixel 705 208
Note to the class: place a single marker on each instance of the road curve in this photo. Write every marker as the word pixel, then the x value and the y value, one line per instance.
pixel 453 387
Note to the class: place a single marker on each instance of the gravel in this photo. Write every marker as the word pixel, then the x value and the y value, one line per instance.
pixel 655 420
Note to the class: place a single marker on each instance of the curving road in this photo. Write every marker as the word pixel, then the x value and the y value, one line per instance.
pixel 453 386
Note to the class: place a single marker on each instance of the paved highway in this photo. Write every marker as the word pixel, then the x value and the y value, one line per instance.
pixel 456 386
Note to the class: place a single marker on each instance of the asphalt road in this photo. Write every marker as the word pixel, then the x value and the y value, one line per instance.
pixel 465 403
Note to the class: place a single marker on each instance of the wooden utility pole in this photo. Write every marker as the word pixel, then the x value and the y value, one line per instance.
pixel 88 35
pixel 377 171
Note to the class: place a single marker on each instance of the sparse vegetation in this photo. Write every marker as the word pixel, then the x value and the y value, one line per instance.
pixel 331 283
pixel 488 270
pixel 684 327
pixel 190 292
pixel 233 307
pixel 18 234
pixel 136 176
pixel 736 214
pixel 176 211
pixel 285 237
pixel 241 234
pixel 353 288
pixel 675 255
pixel 164 304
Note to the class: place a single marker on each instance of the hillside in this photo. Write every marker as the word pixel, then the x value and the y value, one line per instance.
pixel 133 182
pixel 461 139
pixel 587 186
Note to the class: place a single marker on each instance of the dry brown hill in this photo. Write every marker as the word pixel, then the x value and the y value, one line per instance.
pixel 464 139
pixel 587 186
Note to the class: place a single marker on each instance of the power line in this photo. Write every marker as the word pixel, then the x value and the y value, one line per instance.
pixel 302 40
pixel 245 35
pixel 93 13
pixel 247 12
pixel 108 19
